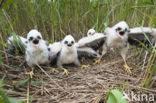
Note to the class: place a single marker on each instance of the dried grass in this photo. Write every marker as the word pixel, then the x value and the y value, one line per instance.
pixel 81 85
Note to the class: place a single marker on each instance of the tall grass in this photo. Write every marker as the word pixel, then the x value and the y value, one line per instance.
pixel 3 96
pixel 58 18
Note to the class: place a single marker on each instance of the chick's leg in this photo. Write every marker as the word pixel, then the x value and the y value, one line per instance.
pixel 31 73
pixel 54 70
pixel 82 66
pixel 127 68
pixel 65 71
pixel 85 66
pixel 98 60
pixel 82 59
pixel 123 54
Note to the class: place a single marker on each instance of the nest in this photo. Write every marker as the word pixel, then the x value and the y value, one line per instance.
pixel 81 85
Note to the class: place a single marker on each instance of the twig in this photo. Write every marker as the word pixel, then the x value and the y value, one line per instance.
pixel 144 60
pixel 42 84
pixel 28 91
pixel 99 98
pixel 51 78
pixel 146 89
pixel 142 67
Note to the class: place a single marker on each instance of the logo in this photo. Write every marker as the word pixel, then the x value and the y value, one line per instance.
pixel 140 97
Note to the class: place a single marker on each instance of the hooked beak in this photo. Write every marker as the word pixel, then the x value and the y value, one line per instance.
pixel 122 32
pixel 35 41
pixel 69 45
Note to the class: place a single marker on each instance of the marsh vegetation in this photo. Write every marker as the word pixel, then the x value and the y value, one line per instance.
pixel 57 18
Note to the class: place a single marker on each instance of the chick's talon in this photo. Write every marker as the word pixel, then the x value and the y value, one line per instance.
pixel 97 61
pixel 82 59
pixel 127 69
pixel 65 71
pixel 31 73
pixel 54 70
pixel 85 67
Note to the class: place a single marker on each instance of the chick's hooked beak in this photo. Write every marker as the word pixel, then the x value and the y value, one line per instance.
pixel 122 31
pixel 69 45
pixel 36 41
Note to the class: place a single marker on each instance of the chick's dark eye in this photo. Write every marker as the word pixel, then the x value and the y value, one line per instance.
pixel 48 49
pixel 118 29
pixel 127 30
pixel 66 42
pixel 38 37
pixel 72 42
pixel 31 38
pixel 90 33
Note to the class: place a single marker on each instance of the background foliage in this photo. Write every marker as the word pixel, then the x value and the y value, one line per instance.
pixel 57 18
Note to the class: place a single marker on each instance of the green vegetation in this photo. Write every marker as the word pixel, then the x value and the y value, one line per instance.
pixel 3 97
pixel 115 96
pixel 58 18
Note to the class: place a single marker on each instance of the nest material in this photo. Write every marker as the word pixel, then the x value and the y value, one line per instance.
pixel 81 85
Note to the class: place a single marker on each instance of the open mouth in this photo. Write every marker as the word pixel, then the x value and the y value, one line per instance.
pixel 35 42
pixel 122 33
pixel 69 45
